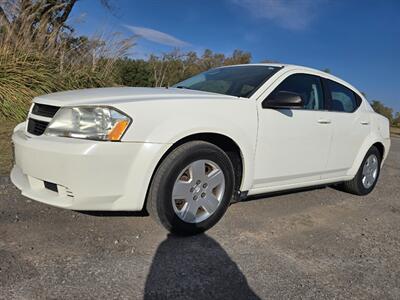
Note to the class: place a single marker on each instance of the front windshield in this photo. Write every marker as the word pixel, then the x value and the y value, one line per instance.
pixel 239 81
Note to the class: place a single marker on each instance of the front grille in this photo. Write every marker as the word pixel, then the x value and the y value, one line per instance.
pixel 37 127
pixel 44 110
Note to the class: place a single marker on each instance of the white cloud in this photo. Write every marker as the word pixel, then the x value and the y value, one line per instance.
pixel 291 14
pixel 157 36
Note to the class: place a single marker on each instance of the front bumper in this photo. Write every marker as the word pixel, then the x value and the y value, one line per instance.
pixel 89 175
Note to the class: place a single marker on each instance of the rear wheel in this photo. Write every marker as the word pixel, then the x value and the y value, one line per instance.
pixel 192 188
pixel 367 176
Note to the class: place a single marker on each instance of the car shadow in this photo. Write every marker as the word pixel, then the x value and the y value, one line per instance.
pixel 195 267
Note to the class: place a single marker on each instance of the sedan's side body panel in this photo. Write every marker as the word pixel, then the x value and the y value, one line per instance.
pixel 350 132
pixel 292 146
pixel 298 148
pixel 221 116
pixel 379 133
pixel 303 147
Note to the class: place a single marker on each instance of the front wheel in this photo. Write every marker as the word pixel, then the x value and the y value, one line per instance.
pixel 367 176
pixel 192 188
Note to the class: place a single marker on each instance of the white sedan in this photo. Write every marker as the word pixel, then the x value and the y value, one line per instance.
pixel 186 152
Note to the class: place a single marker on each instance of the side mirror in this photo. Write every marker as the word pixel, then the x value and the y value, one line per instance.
pixel 283 99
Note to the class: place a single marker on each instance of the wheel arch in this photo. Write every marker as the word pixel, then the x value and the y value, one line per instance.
pixel 226 143
pixel 381 148
pixel 368 143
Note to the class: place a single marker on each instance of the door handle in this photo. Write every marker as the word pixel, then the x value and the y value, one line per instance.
pixel 364 122
pixel 324 121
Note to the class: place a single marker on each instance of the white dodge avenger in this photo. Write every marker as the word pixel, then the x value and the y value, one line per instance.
pixel 186 152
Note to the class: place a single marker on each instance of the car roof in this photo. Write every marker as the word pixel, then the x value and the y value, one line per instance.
pixel 290 67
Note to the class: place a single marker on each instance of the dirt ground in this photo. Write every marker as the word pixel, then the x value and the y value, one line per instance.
pixel 319 244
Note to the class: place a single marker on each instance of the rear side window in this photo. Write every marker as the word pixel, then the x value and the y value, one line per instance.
pixel 342 98
pixel 309 88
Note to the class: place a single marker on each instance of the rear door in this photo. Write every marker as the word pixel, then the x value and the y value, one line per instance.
pixel 293 144
pixel 351 126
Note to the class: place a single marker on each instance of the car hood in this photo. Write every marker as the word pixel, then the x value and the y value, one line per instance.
pixel 109 96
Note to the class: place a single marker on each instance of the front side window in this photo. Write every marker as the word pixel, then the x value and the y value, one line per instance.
pixel 342 98
pixel 240 81
pixel 308 87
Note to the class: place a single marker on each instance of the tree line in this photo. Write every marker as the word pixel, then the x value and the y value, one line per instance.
pixel 172 67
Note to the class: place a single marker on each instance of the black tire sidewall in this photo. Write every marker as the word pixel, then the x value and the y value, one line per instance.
pixel 363 190
pixel 165 208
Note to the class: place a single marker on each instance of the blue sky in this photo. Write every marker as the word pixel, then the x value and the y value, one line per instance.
pixel 358 40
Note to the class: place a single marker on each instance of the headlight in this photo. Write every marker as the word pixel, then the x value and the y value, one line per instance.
pixel 86 122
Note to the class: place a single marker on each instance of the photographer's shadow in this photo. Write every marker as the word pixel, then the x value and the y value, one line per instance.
pixel 195 268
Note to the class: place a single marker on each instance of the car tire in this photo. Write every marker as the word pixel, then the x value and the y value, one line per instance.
pixel 192 188
pixel 367 176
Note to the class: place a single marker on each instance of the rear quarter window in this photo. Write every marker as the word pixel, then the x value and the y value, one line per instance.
pixel 343 99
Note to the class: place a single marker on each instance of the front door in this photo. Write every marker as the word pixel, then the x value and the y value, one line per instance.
pixel 293 144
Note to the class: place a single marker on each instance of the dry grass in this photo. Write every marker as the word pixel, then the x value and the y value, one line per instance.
pixel 6 128
pixel 37 58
